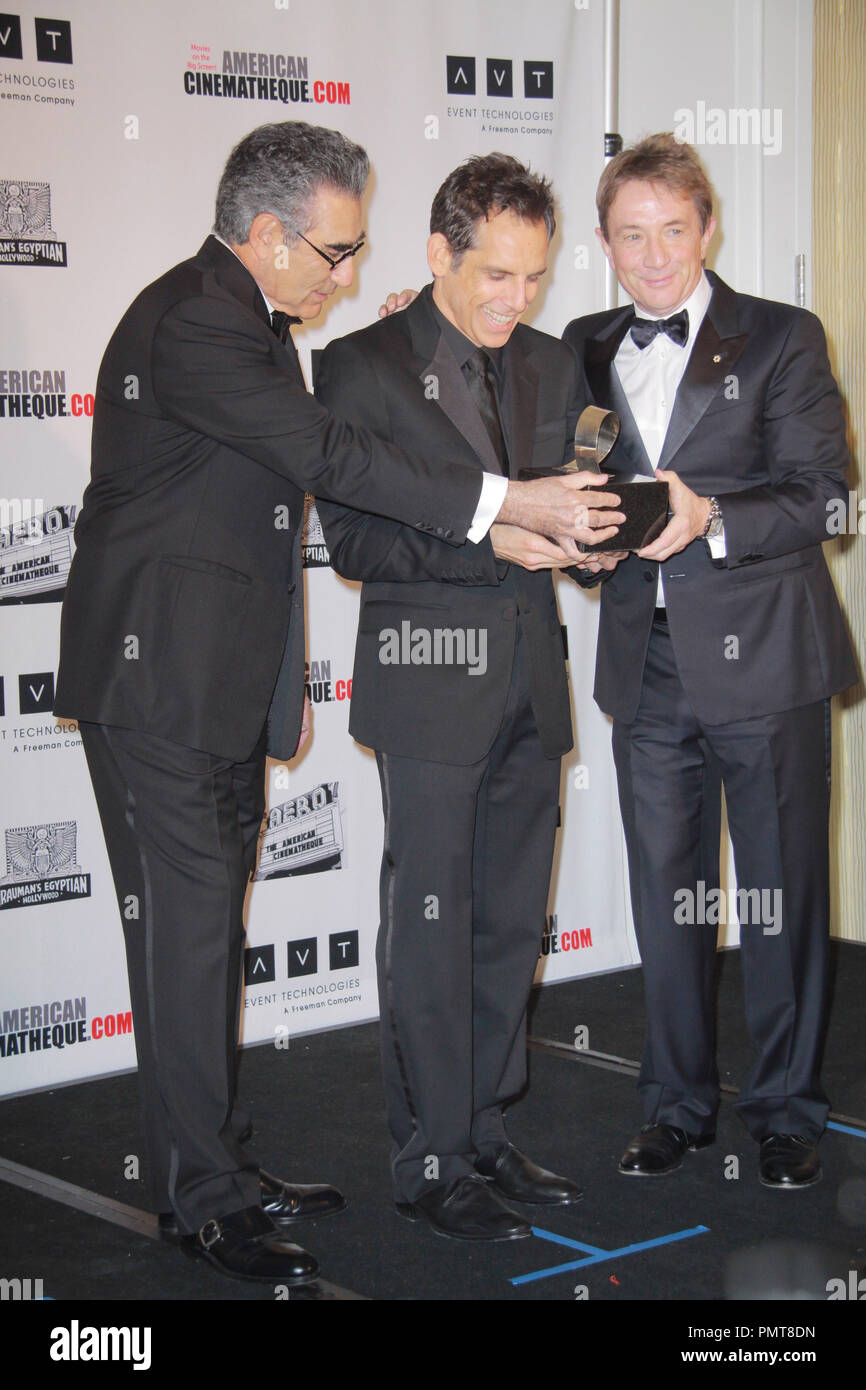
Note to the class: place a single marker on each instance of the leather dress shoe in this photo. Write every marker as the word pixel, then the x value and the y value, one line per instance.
pixel 285 1203
pixel 788 1160
pixel 517 1177
pixel 247 1245
pixel 466 1209
pixel 659 1149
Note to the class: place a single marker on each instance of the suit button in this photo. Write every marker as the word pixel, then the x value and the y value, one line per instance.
pixel 510 612
pixel 291 589
pixel 648 576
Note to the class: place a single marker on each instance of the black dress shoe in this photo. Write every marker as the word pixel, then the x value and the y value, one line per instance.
pixel 788 1160
pixel 246 1245
pixel 286 1202
pixel 659 1149
pixel 516 1176
pixel 466 1209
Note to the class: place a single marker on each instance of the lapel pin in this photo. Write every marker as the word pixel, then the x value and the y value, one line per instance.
pixel 717 358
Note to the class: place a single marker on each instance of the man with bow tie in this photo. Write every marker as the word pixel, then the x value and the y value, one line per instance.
pixel 719 648
pixel 182 641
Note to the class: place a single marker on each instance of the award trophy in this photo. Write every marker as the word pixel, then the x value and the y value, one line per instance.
pixel 645 503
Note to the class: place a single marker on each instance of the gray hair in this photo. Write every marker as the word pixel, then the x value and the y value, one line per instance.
pixel 279 169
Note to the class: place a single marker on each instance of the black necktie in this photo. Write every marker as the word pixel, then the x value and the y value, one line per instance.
pixel 677 328
pixel 477 375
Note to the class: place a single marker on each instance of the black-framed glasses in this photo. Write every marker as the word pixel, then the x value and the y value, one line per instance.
pixel 334 261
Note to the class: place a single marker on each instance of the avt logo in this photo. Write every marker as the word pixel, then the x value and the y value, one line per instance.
pixel 461 77
pixel 53 39
pixel 259 965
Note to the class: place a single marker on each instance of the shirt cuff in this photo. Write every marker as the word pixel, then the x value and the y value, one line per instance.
pixel 493 490
pixel 718 545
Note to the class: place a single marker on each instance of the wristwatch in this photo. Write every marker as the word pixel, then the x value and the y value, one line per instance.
pixel 715 523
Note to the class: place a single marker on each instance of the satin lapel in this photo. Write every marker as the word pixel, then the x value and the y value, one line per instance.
pixel 445 386
pixel 598 355
pixel 290 348
pixel 716 350
pixel 630 445
pixel 522 394
pixel 232 275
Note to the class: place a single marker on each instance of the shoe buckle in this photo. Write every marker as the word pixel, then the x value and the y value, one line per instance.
pixel 210 1233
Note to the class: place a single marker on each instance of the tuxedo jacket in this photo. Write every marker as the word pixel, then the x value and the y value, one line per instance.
pixel 184 601
pixel 400 379
pixel 757 423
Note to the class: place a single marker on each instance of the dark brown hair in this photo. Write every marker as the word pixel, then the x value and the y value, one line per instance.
pixel 657 159
pixel 482 187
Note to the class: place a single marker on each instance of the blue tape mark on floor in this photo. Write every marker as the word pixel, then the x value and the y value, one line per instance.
pixel 847 1129
pixel 598 1256
pixel 566 1240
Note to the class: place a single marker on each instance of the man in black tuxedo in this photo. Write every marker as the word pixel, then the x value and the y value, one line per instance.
pixel 719 648
pixel 460 686
pixel 182 644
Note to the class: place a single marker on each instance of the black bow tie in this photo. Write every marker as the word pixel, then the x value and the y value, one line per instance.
pixel 677 328
pixel 281 323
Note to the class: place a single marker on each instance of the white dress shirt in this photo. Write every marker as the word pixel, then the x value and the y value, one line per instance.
pixel 650 377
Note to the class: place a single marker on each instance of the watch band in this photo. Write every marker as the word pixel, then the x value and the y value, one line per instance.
pixel 714 520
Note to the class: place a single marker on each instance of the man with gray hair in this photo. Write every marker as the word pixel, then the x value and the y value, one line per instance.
pixel 182 643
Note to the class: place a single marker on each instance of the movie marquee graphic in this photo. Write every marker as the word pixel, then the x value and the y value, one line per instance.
pixel 35 555
pixel 41 866
pixel 303 836
pixel 26 234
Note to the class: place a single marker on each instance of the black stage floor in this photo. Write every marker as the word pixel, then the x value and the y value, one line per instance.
pixel 706 1234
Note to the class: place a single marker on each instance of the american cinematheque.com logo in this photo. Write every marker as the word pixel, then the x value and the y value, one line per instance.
pixel 247 75
pixel 26 234
pixel 41 867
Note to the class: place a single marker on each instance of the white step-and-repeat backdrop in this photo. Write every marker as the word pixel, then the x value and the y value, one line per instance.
pixel 117 118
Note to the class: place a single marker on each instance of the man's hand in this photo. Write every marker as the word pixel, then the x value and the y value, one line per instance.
pixel 531 551
pixel 606 560
pixel 552 507
pixel 689 520
pixel 306 725
pixel 397 301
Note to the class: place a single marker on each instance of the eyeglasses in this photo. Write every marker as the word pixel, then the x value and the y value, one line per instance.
pixel 334 261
